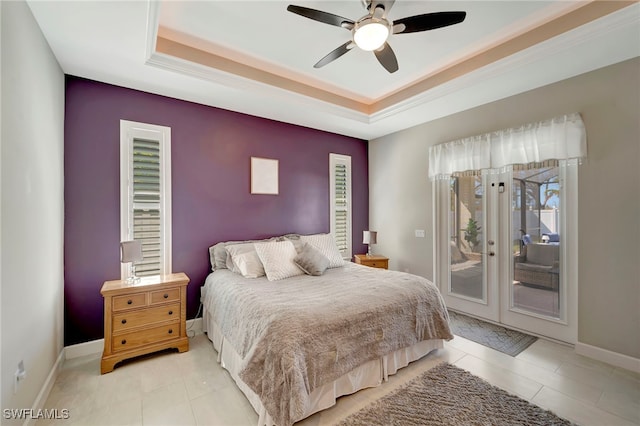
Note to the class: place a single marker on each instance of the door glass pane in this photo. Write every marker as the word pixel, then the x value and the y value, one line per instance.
pixel 466 218
pixel 536 239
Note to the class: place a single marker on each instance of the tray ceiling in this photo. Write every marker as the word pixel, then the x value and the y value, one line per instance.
pixel 257 58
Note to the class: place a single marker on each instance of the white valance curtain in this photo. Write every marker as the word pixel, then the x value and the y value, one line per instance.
pixel 560 138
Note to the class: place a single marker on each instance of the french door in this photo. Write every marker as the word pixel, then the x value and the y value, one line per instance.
pixel 506 247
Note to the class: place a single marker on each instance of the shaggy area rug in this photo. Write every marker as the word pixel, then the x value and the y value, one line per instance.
pixel 502 339
pixel 448 395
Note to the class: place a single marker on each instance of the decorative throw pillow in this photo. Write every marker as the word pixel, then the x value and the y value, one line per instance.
pixel 311 261
pixel 297 243
pixel 327 246
pixel 277 259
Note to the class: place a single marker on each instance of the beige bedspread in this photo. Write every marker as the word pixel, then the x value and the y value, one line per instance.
pixel 297 334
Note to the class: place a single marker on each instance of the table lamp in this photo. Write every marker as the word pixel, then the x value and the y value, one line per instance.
pixel 369 237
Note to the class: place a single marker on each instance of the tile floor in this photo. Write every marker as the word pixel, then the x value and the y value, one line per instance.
pixel 192 389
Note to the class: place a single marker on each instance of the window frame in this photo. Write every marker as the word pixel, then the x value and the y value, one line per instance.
pixel 334 160
pixel 130 130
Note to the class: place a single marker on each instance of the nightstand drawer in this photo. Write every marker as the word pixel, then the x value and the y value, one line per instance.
pixel 162 296
pixel 377 264
pixel 128 320
pixel 143 337
pixel 129 301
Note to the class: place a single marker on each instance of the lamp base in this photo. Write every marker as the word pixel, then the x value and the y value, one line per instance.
pixel 369 252
pixel 132 280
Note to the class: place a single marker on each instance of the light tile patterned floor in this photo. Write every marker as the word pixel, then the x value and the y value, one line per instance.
pixel 192 389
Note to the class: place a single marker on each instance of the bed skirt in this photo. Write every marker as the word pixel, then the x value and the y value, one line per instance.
pixel 370 374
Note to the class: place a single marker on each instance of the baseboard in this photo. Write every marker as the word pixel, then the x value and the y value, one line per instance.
pixel 41 399
pixel 82 349
pixel 194 326
pixel 604 355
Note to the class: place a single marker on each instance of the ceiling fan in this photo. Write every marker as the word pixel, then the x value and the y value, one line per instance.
pixel 372 30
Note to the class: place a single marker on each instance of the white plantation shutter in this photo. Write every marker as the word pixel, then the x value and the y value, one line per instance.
pixel 340 202
pixel 146 205
pixel 341 206
pixel 145 161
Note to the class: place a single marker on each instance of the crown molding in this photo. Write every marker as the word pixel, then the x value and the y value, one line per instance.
pixel 153 24
pixel 445 87
pixel 621 20
pixel 182 66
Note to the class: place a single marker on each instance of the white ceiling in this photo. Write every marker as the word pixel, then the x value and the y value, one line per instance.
pixel 257 58
pixel 291 44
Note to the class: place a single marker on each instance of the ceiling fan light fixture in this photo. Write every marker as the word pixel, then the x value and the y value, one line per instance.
pixel 370 34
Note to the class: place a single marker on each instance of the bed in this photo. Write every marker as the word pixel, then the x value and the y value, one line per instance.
pixel 295 344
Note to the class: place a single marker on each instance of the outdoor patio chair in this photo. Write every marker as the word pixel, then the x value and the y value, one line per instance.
pixel 538 265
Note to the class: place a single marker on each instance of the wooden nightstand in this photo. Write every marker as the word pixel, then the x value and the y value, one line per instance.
pixel 375 261
pixel 144 317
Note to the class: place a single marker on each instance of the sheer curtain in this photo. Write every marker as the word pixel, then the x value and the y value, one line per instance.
pixel 560 138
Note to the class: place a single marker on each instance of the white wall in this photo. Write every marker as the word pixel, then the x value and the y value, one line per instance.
pixel 400 193
pixel 32 209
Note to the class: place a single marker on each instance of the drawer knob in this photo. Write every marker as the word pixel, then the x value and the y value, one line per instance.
pixel 170 312
pixel 170 331
pixel 129 302
pixel 124 321
pixel 124 341
pixel 166 296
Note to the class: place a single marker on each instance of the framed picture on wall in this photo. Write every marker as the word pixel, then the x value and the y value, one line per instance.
pixel 264 176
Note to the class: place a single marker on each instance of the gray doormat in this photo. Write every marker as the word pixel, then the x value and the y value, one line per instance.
pixel 502 339
pixel 447 395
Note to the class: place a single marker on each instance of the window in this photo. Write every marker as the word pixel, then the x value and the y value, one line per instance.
pixel 340 201
pixel 145 194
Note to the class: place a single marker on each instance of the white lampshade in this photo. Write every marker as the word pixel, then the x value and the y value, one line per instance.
pixel 369 237
pixel 371 35
pixel 130 251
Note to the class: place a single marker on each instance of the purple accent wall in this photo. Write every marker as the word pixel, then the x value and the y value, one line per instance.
pixel 211 150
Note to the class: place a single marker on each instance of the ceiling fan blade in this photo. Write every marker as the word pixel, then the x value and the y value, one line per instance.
pixel 428 21
pixel 335 54
pixel 320 16
pixel 387 58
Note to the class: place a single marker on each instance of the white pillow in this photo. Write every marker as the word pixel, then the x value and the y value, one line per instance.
pixel 327 246
pixel 249 264
pixel 277 259
pixel 235 249
pixel 243 259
